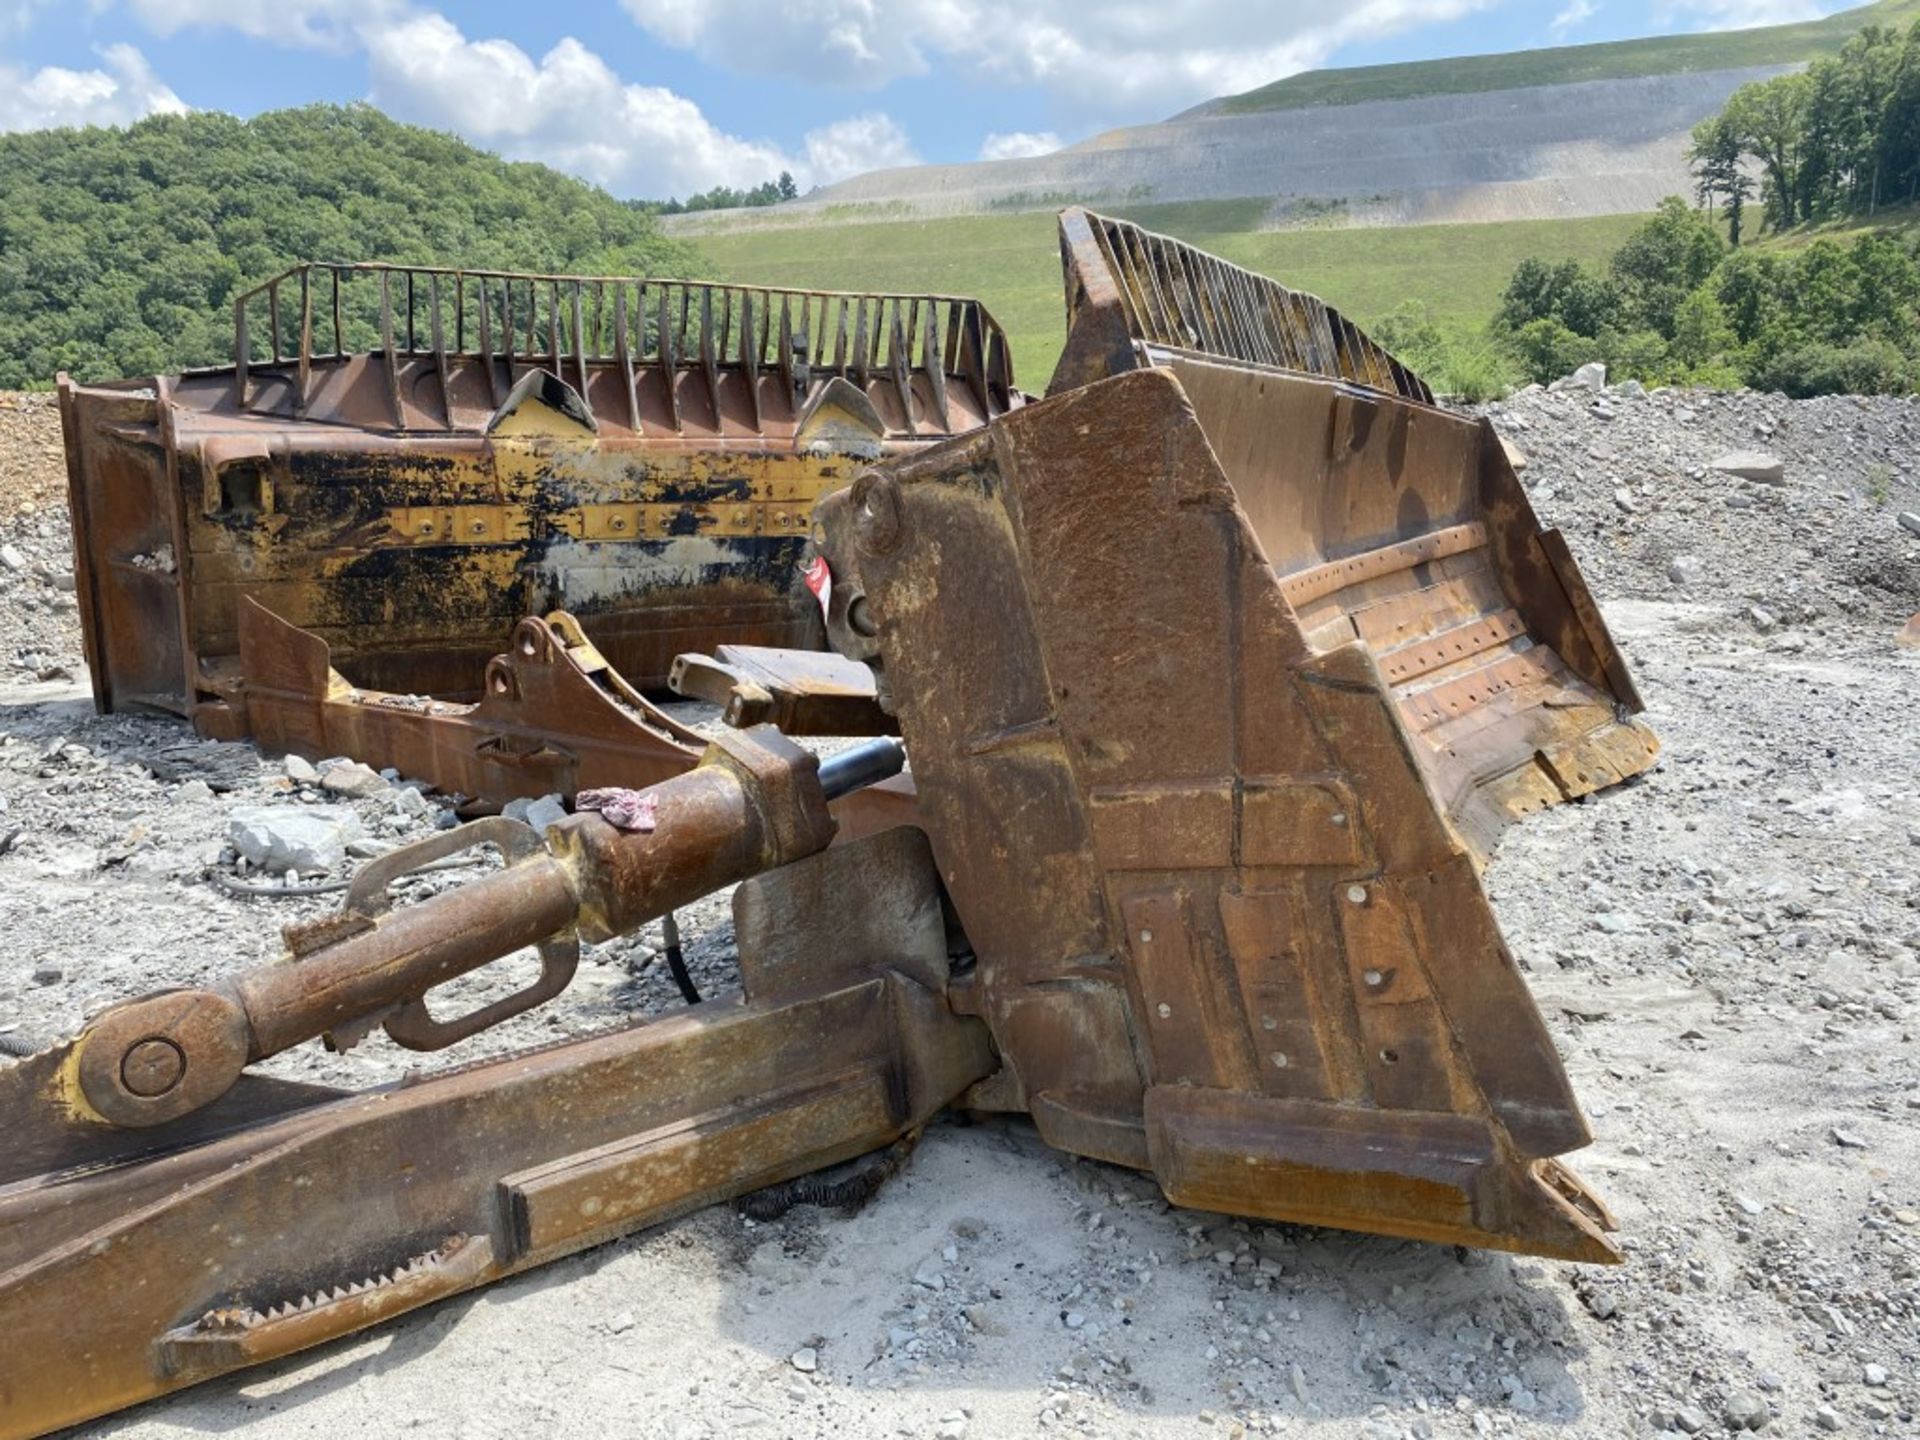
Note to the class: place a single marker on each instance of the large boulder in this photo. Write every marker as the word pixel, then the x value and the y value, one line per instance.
pixel 306 838
pixel 1591 376
pixel 1756 465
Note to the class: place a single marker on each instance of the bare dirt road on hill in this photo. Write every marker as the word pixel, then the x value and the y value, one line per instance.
pixel 1728 953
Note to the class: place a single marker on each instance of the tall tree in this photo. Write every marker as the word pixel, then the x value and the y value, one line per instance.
pixel 1770 119
pixel 1719 167
pixel 1664 261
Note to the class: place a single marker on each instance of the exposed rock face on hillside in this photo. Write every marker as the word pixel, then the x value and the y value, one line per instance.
pixel 1598 148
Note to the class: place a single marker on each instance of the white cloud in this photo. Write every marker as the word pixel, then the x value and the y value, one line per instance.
pixel 124 91
pixel 855 145
pixel 1577 13
pixel 1131 60
pixel 299 24
pixel 570 110
pixel 1742 14
pixel 1019 145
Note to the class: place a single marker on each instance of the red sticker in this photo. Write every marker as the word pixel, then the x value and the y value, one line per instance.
pixel 820 581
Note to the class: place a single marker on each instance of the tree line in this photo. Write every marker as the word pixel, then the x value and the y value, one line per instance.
pixel 121 250
pixel 1677 304
pixel 1688 300
pixel 1839 138
pixel 725 197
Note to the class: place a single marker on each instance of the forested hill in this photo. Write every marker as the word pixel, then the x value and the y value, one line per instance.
pixel 121 250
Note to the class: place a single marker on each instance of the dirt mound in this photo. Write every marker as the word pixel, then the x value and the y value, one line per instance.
pixel 37 606
pixel 33 470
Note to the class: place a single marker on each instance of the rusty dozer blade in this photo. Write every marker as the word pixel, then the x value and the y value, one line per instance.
pixel 1222 670
pixel 1226 929
pixel 1221 676
pixel 405 461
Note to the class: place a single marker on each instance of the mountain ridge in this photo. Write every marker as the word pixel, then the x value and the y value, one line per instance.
pixel 1698 52
pixel 1565 132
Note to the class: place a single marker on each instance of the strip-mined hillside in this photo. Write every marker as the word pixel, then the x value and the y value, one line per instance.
pixel 1533 135
pixel 1569 64
pixel 121 250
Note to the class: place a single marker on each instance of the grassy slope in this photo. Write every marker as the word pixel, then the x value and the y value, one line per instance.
pixel 1903 220
pixel 1657 55
pixel 1013 262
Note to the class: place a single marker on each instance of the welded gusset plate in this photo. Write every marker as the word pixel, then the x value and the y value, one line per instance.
pixel 553 716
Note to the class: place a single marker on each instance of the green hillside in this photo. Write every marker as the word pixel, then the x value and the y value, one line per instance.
pixel 1564 65
pixel 121 250
pixel 1013 262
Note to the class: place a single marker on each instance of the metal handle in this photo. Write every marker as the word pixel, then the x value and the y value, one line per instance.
pixel 411 1024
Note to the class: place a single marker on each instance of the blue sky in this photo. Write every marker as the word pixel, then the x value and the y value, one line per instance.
pixel 658 97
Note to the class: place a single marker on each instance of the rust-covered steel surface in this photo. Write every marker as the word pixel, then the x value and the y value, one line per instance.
pixel 552 717
pixel 1132 294
pixel 1217 682
pixel 134 1143
pixel 406 462
pixel 1221 671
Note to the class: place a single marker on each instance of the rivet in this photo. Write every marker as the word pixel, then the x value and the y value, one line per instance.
pixel 1146 937
pixel 1372 977
pixel 1340 820
pixel 1166 1011
pixel 1279 1060
pixel 1357 894
pixel 1267 1022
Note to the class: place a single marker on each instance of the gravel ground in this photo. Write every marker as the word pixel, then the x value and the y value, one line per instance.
pixel 1728 952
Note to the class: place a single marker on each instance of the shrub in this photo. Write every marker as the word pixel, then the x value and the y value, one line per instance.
pixel 1546 350
pixel 1475 373
pixel 1636 354
pixel 1700 329
pixel 1664 261
pixel 1469 369
pixel 1581 301
pixel 1866 367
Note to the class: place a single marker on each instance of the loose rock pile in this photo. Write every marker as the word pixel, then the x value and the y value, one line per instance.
pixel 1795 509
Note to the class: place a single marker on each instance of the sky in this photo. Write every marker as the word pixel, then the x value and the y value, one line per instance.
pixel 657 98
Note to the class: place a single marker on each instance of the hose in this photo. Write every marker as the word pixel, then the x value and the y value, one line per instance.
pixel 16 1045
pixel 827 1189
pixel 677 962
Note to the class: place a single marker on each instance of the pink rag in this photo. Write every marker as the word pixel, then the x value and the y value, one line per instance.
pixel 622 809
